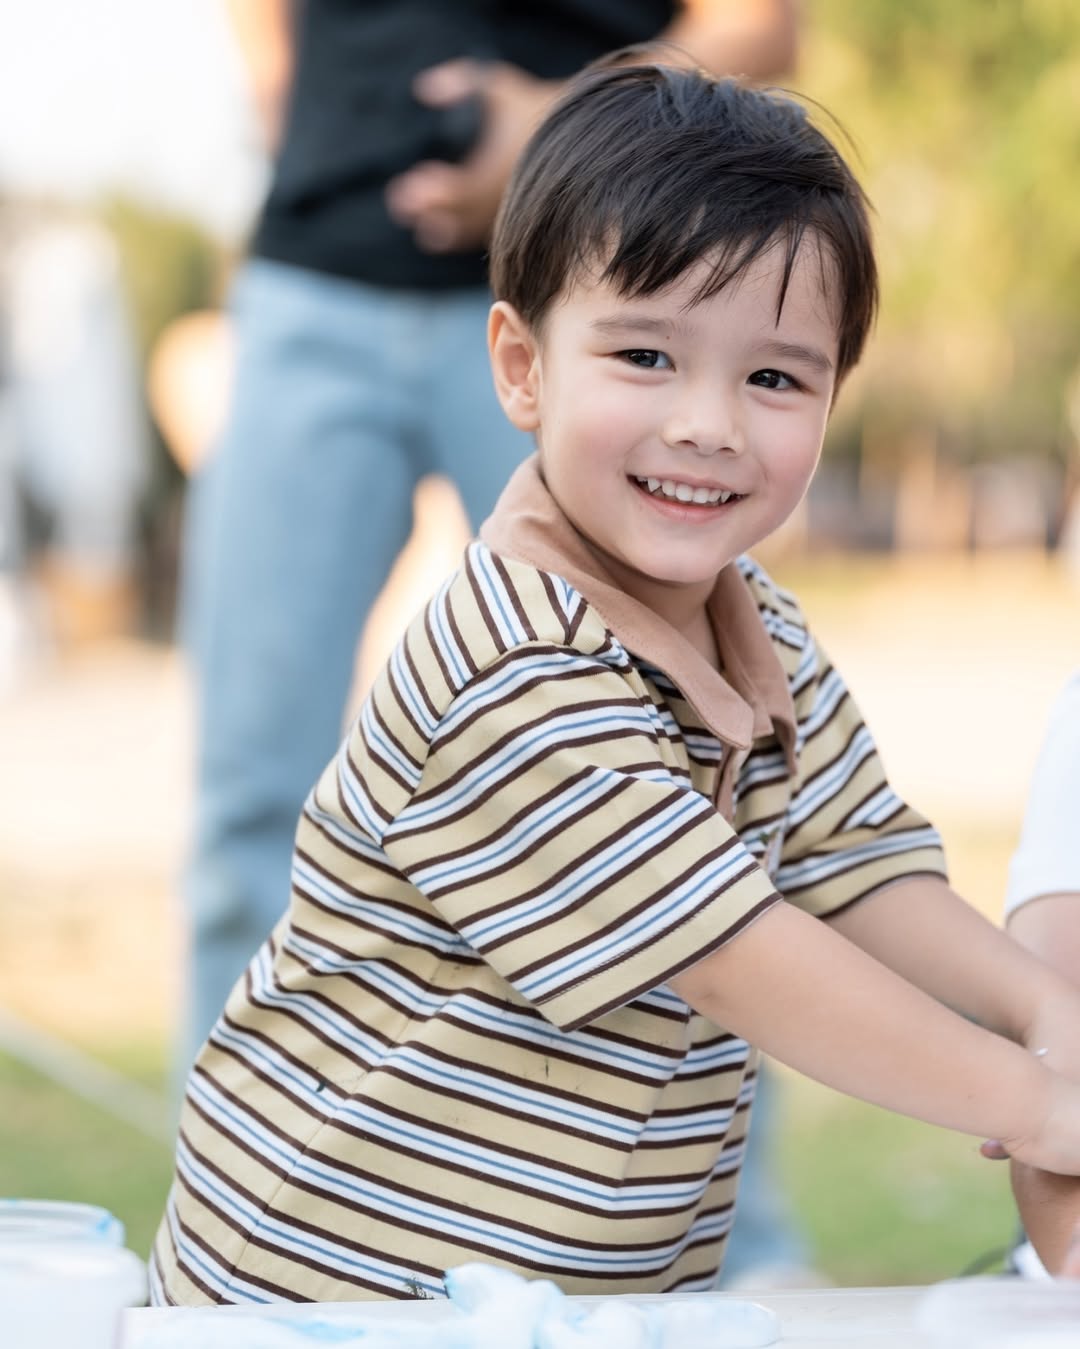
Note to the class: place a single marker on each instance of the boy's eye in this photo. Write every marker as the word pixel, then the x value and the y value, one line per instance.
pixel 772 379
pixel 647 360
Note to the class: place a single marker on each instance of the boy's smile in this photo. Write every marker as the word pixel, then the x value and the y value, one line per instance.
pixel 676 435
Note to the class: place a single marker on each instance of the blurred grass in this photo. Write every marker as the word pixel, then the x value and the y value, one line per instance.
pixel 888 1200
pixel 53 1145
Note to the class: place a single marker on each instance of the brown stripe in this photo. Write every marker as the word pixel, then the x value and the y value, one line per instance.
pixel 384 766
pixel 557 1055
pixel 556 606
pixel 576 620
pixel 399 698
pixel 557 1095
pixel 482 604
pixel 380 721
pixel 453 685
pixel 513 596
pixel 880 826
pixel 463 649
pixel 418 683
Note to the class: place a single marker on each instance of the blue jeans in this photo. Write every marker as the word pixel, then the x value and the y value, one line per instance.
pixel 345 395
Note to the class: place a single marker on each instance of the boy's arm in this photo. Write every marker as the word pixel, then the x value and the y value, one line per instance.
pixel 924 931
pixel 813 1000
pixel 927 934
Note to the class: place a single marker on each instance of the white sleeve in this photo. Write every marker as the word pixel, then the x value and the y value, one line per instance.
pixel 1047 861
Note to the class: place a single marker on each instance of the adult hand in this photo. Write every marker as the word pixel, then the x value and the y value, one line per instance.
pixel 1049 1208
pixel 1054 1031
pixel 451 207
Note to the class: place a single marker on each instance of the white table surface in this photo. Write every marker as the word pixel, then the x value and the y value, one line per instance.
pixel 877 1318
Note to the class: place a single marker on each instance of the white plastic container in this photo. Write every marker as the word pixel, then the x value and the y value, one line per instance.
pixel 65 1276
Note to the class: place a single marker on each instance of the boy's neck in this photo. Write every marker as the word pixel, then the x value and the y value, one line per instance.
pixel 684 608
pixel 702 635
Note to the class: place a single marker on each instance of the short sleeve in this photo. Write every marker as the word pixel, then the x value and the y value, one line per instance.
pixel 847 833
pixel 1047 861
pixel 549 830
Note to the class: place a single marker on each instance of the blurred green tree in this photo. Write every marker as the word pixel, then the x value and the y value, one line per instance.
pixel 966 123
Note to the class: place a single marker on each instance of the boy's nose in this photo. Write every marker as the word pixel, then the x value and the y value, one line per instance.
pixel 705 422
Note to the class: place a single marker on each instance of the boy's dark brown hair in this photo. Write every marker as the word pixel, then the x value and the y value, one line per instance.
pixel 642 171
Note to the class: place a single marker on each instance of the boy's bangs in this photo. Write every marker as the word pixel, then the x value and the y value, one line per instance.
pixel 636 266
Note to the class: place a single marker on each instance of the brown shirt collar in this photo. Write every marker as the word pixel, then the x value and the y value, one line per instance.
pixel 752 698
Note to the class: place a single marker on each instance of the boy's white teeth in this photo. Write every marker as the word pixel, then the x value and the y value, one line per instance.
pixel 682 491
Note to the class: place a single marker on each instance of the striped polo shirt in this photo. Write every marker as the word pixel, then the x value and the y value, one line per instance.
pixel 459 1043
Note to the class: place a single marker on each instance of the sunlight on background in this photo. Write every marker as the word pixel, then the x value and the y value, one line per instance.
pixel 938 556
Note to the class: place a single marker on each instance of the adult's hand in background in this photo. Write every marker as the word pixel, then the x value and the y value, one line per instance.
pixel 451 207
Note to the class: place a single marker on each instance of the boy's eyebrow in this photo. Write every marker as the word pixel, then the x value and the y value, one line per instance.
pixel 636 322
pixel 795 351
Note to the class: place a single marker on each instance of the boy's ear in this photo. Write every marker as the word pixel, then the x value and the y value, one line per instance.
pixel 515 365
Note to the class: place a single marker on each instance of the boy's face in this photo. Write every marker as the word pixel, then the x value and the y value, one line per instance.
pixel 676 436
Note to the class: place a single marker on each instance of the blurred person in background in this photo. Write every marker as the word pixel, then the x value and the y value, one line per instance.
pixel 361 367
pixel 73 437
pixel 1042 912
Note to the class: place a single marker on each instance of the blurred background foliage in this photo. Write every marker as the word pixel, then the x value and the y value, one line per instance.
pixel 966 121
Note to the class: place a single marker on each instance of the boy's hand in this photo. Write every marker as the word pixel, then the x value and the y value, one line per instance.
pixel 451 207
pixel 1053 1144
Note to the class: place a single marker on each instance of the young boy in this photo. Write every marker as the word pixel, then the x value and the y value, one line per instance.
pixel 577 850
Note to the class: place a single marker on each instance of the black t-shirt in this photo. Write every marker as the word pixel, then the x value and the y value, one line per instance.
pixel 353 123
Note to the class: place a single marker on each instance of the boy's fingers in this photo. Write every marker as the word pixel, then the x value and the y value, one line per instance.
pixel 993 1149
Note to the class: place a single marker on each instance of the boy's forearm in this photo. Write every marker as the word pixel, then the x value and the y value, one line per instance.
pixel 924 931
pixel 930 936
pixel 813 1000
